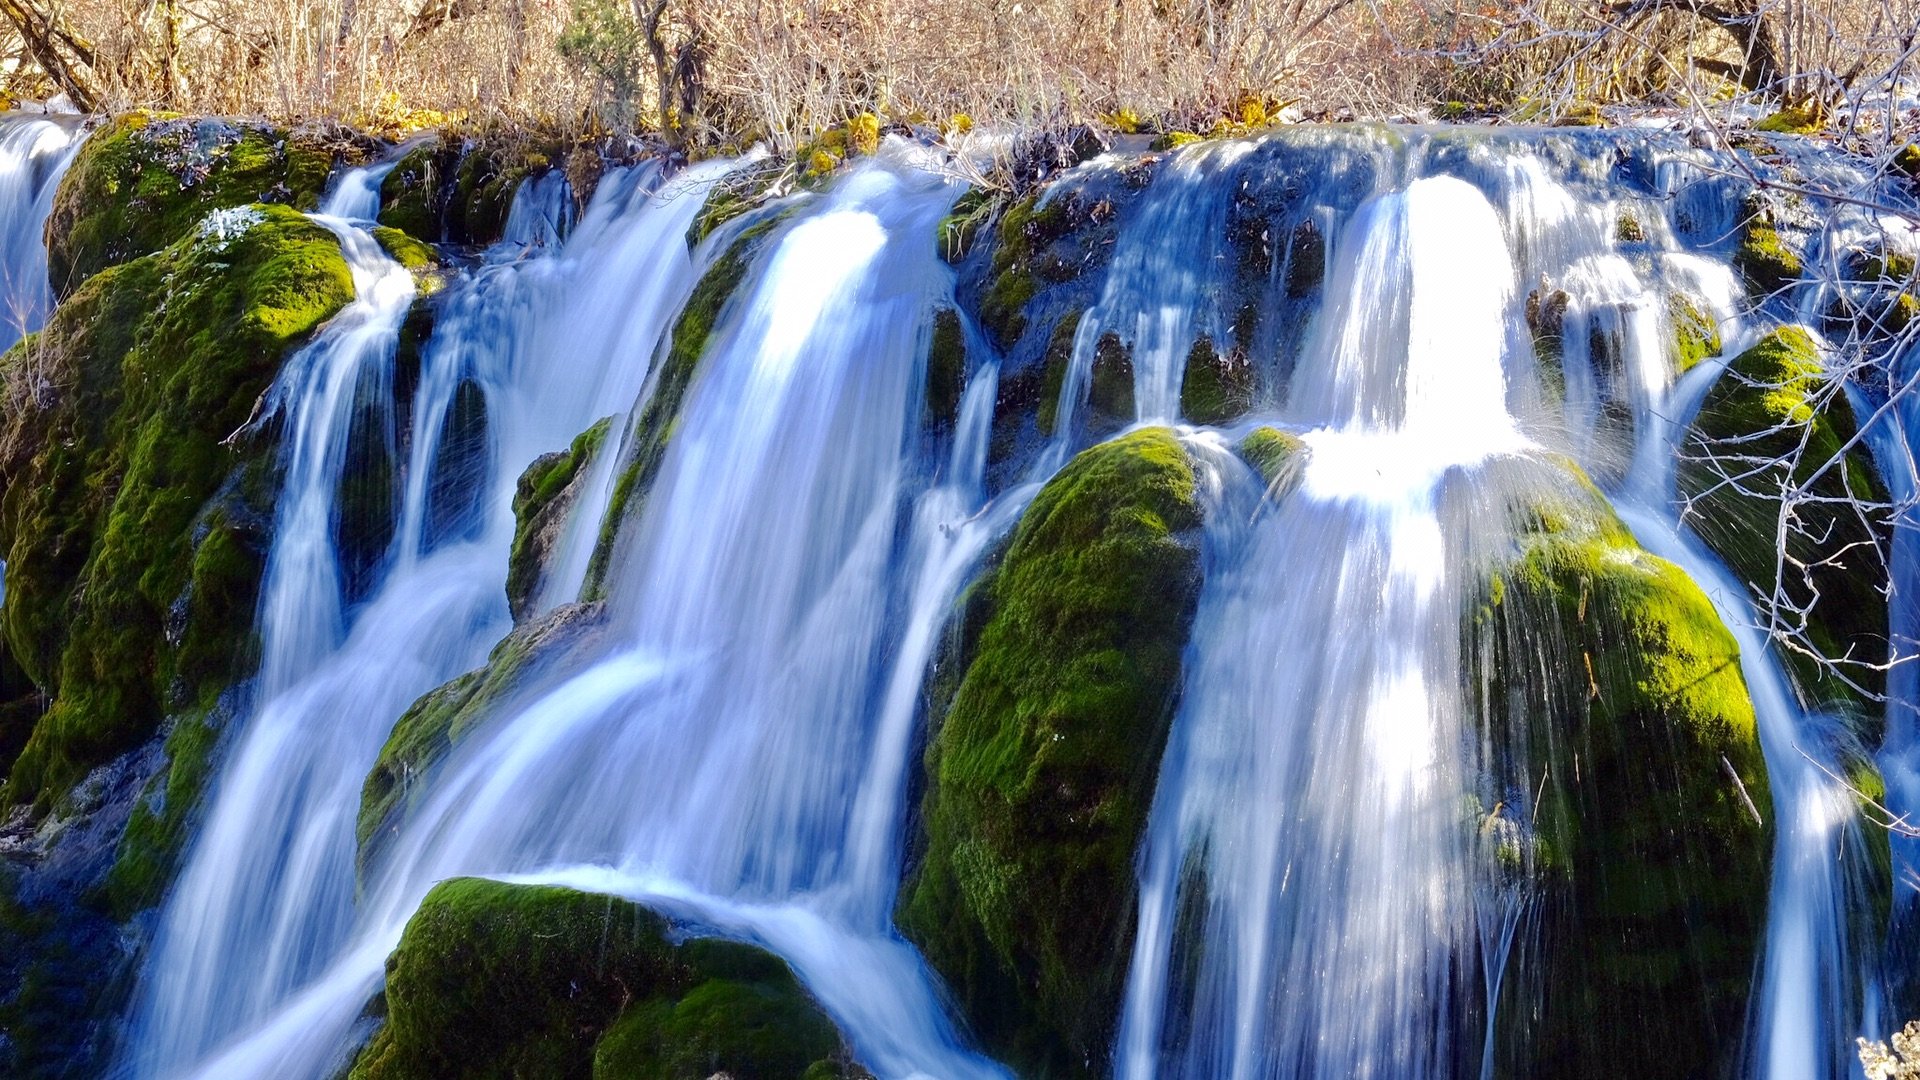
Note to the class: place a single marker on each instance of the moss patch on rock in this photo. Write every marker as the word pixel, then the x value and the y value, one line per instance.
pixel 1276 455
pixel 432 726
pixel 1745 453
pixel 1023 263
pixel 1614 704
pixel 125 601
pixel 145 180
pixel 1695 334
pixel 1217 387
pixel 1041 772
pixel 542 501
pixel 526 981
pixel 1763 259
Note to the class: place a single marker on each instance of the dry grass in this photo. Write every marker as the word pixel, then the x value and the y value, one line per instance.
pixel 782 70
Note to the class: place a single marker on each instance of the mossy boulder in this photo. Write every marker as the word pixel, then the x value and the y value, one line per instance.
pixel 436 723
pixel 414 194
pixel 1772 422
pixel 1025 260
pixel 1041 771
pixel 946 369
pixel 127 597
pixel 1217 387
pixel 542 504
pixel 1633 792
pixel 144 180
pixel 1764 260
pixel 1276 455
pixel 536 982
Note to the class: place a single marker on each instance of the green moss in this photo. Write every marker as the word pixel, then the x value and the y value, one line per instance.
pixel 527 981
pixel 1907 161
pixel 1793 120
pixel 1042 770
pixel 539 513
pixel 970 213
pixel 405 250
pixel 156 832
pixel 1217 388
pixel 1750 427
pixel 436 723
pixel 416 190
pixel 1614 703
pixel 1110 381
pixel 145 180
pixel 109 467
pixel 1174 140
pixel 1695 334
pixel 659 416
pixel 946 369
pixel 1628 230
pixel 1767 264
pixel 1276 455
pixel 1022 263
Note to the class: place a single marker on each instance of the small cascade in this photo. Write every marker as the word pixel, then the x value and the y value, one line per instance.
pixel 34 154
pixel 1308 887
pixel 267 895
pixel 754 595
pixel 1161 292
pixel 264 849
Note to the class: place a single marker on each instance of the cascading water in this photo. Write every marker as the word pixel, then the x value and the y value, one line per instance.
pixel 34 154
pixel 1309 795
pixel 267 895
pixel 734 746
pixel 755 595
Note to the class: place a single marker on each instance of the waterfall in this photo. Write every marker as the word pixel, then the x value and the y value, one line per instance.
pixel 267 896
pixel 34 154
pixel 736 743
pixel 1310 793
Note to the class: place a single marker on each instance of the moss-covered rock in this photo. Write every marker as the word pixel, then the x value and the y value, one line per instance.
pixel 542 502
pixel 1023 262
pixel 1636 798
pixel 1041 772
pixel 1793 120
pixel 1218 387
pixel 543 983
pixel 414 195
pixel 946 369
pixel 1745 452
pixel 1763 259
pixel 1278 456
pixel 432 726
pixel 145 180
pixel 125 601
pixel 1695 335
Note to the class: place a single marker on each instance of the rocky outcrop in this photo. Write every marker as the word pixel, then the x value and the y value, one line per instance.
pixel 501 980
pixel 1041 770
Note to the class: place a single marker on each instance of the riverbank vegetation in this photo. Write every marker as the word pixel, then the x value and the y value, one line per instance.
pixel 713 72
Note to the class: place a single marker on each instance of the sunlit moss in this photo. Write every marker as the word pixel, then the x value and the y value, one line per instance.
pixel 1042 769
